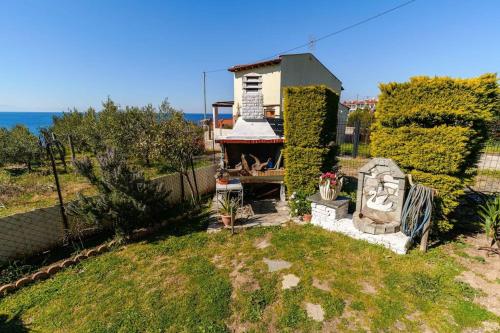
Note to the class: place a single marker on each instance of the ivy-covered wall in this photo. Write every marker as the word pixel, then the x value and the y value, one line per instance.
pixel 435 128
pixel 310 120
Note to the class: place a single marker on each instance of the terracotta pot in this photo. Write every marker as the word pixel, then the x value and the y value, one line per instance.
pixel 226 219
pixel 223 181
pixel 307 217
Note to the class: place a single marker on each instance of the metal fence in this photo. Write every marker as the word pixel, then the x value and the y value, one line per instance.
pixel 354 151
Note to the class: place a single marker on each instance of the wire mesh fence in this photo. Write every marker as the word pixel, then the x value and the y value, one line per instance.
pixel 353 139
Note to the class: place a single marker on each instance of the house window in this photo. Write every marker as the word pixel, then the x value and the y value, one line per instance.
pixel 252 83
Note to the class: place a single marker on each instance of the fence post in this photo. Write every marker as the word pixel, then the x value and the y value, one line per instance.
pixel 355 139
pixel 182 187
pixel 59 194
pixel 195 182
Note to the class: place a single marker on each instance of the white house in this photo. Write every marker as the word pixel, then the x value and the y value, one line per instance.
pixel 258 108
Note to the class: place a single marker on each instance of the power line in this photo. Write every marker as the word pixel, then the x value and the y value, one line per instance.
pixel 351 26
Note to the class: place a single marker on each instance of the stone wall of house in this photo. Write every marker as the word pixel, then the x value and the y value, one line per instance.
pixel 252 106
pixel 33 232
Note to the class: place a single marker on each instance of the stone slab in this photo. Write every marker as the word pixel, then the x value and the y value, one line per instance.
pixel 277 265
pixel 396 242
pixel 290 281
pixel 315 312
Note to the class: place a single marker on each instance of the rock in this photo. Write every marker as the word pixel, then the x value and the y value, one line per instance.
pixel 290 281
pixel 277 265
pixel 315 312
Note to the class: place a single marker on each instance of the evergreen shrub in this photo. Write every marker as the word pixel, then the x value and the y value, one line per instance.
pixel 435 129
pixel 310 115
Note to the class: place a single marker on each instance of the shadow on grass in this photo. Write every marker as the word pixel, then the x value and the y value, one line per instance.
pixel 12 324
pixel 466 219
pixel 193 224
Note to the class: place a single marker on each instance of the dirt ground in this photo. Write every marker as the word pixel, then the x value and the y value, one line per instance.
pixel 482 271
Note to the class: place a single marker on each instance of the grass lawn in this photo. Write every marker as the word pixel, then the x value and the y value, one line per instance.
pixel 347 149
pixel 185 280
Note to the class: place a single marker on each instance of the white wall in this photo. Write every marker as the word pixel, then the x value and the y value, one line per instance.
pixel 271 78
pixel 294 70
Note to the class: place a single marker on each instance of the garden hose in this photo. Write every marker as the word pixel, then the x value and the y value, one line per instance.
pixel 417 210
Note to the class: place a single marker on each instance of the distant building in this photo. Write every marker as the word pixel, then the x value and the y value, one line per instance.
pixel 369 103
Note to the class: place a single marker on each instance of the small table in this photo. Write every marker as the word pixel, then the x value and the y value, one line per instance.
pixel 234 186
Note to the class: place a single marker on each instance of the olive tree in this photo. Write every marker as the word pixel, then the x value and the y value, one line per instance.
pixel 22 147
pixel 177 142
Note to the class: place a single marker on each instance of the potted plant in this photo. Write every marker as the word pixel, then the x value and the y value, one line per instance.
pixel 300 206
pixel 222 176
pixel 227 209
pixel 490 215
pixel 330 184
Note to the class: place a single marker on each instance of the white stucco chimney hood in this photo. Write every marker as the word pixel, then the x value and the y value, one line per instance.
pixel 255 129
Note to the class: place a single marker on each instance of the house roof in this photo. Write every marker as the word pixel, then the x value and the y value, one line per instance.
pixel 238 68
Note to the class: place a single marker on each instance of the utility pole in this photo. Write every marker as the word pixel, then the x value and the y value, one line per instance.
pixel 205 95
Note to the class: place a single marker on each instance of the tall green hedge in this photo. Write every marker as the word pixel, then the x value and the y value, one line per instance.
pixel 310 115
pixel 435 128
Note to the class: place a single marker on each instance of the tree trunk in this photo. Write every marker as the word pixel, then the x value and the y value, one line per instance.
pixel 71 147
pixel 191 188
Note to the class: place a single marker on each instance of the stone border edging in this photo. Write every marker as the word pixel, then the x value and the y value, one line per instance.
pixel 51 270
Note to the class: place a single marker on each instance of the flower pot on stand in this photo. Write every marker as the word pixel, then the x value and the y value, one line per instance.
pixel 329 191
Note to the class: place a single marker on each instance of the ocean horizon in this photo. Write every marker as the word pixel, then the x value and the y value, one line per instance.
pixel 35 120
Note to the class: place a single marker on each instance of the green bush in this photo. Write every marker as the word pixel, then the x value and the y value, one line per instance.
pixel 441 149
pixel 435 128
pixel 435 101
pixel 305 165
pixel 310 116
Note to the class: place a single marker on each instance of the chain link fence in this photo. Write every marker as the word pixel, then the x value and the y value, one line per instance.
pixel 353 139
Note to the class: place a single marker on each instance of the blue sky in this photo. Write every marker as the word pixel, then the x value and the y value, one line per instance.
pixel 60 54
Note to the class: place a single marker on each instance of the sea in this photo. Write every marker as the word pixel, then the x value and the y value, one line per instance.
pixel 36 120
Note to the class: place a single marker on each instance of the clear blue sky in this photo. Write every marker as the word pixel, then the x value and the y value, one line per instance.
pixel 59 54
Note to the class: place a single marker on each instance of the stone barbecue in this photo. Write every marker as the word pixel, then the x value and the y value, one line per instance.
pixel 380 197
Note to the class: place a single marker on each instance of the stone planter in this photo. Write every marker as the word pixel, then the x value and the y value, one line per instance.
pixel 329 192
